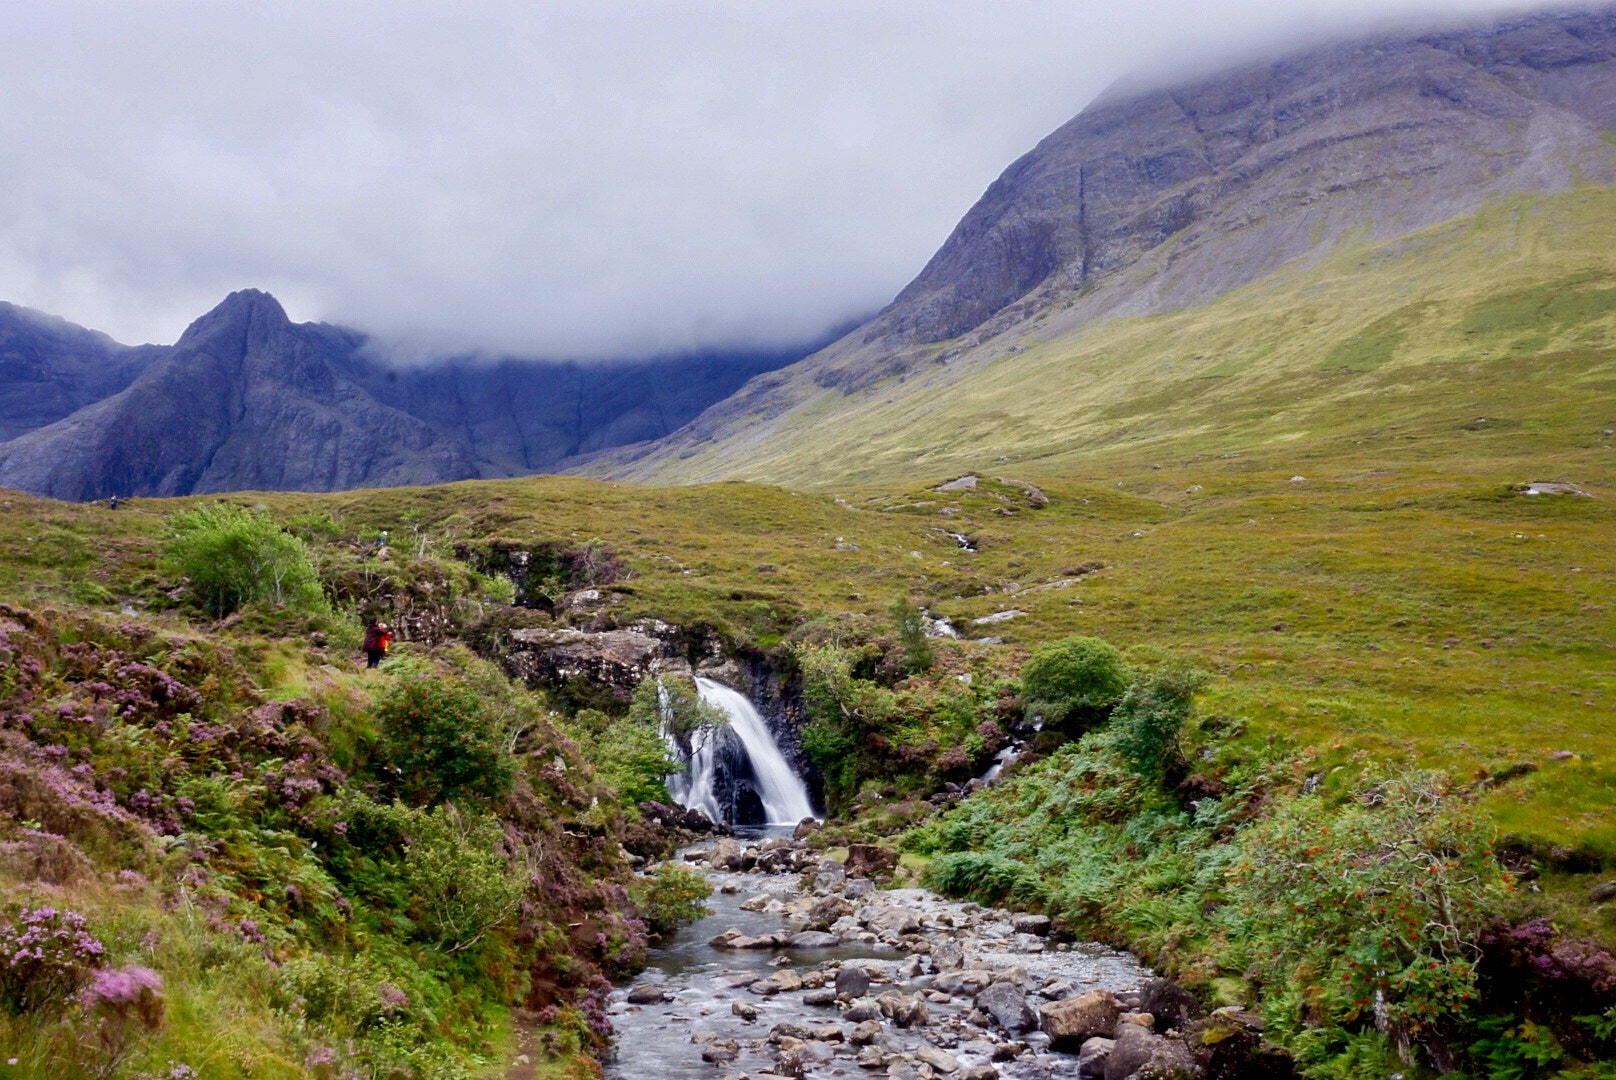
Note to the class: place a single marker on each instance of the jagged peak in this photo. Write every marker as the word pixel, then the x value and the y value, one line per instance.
pixel 243 308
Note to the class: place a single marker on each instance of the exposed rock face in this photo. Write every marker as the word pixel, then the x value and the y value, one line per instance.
pixel 248 400
pixel 1158 200
pixel 1240 170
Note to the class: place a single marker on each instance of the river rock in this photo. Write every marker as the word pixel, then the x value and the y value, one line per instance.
pixel 727 854
pixel 872 1057
pixel 1007 1004
pixel 937 1058
pixel 734 939
pixel 852 981
pixel 826 910
pixel 1172 1005
pixel 1091 1058
pixel 862 1010
pixel 904 1011
pixel 646 994
pixel 823 996
pixel 813 939
pixel 805 828
pixel 865 1033
pixel 858 888
pixel 947 955
pixel 1071 1022
pixel 1139 1054
pixel 789 1029
pixel 869 860
pixel 980 1072
pixel 784 981
pixel 1031 924
pixel 830 1033
pixel 889 918
pixel 721 1051
pixel 829 876
pixel 746 1011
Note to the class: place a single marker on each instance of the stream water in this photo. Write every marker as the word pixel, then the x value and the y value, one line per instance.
pixel 707 995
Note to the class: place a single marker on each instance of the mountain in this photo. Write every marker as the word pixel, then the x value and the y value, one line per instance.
pixel 1316 171
pixel 50 368
pixel 246 399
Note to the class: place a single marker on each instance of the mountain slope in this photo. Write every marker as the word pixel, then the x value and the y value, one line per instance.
pixel 50 368
pixel 248 400
pixel 1164 202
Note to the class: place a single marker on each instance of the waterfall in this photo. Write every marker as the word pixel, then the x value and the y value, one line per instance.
pixel 736 764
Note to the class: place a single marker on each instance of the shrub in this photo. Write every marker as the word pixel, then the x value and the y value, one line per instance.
pixel 465 885
pixel 1147 721
pixel 233 556
pixel 440 740
pixel 841 710
pixel 127 1004
pixel 46 955
pixel 1373 908
pixel 671 897
pixel 632 758
pixel 1077 678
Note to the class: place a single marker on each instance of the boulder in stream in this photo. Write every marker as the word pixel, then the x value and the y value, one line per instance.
pixel 1071 1022
pixel 1007 1003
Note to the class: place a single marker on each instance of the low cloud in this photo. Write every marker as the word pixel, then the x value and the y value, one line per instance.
pixel 551 179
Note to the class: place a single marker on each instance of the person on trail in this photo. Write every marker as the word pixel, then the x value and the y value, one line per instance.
pixel 378 636
pixel 112 503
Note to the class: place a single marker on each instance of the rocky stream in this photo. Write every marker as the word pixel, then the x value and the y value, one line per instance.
pixel 806 969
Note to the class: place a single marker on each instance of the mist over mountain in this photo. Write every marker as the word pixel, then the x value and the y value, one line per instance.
pixel 1171 199
pixel 247 399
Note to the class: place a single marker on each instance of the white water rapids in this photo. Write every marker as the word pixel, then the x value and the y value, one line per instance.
pixel 785 799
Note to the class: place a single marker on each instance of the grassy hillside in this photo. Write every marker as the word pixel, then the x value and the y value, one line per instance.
pixel 1400 612
pixel 1370 357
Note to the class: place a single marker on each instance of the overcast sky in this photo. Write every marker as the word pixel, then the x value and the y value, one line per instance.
pixel 557 179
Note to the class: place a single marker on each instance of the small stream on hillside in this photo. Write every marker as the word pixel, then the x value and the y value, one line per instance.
pixel 711 992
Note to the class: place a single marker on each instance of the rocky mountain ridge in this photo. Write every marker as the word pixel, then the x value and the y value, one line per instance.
pixel 1171 199
pixel 246 399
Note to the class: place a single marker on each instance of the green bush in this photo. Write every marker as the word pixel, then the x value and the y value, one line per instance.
pixel 1374 907
pixel 440 740
pixel 234 556
pixel 628 755
pixel 841 710
pixel 1075 678
pixel 465 884
pixel 1147 721
pixel 671 897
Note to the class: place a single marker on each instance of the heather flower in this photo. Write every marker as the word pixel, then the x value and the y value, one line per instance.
pixel 135 990
pixel 45 955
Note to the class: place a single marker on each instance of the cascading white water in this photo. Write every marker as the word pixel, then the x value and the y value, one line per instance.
pixel 784 798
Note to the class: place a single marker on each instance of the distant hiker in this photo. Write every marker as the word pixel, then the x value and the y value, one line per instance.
pixel 112 503
pixel 378 636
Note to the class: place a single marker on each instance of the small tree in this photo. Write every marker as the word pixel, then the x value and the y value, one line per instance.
pixel 1150 716
pixel 234 556
pixel 1073 681
pixel 465 884
pixel 911 625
